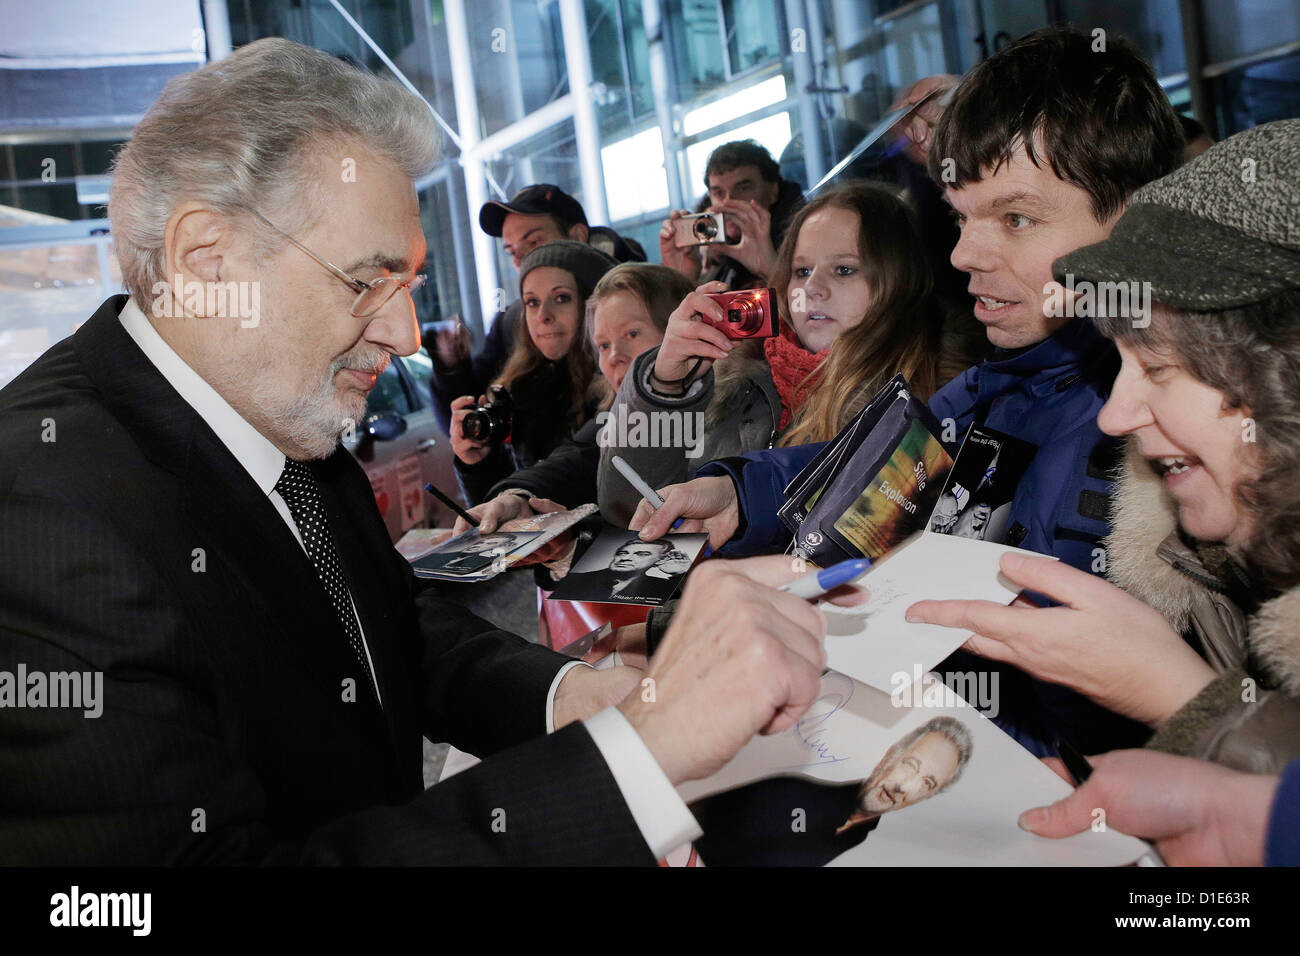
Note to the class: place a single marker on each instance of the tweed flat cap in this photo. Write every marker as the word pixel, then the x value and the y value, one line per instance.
pixel 1220 232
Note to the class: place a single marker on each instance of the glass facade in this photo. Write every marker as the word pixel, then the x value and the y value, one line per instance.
pixel 518 59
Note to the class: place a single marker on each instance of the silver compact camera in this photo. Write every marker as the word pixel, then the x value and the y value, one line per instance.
pixel 701 229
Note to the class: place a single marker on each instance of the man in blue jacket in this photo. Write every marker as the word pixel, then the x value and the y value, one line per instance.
pixel 1038 151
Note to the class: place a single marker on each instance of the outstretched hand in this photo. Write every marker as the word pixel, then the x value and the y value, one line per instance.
pixel 1198 813
pixel 1099 641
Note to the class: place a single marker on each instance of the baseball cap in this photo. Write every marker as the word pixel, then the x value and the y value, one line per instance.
pixel 536 200
pixel 1221 232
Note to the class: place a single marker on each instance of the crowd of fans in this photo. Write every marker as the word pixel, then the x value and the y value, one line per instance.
pixel 1164 435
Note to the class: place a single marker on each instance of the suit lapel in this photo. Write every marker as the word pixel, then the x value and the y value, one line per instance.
pixel 235 522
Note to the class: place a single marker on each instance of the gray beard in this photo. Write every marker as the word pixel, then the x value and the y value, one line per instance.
pixel 314 420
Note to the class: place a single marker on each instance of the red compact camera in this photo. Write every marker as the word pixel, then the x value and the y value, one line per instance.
pixel 751 314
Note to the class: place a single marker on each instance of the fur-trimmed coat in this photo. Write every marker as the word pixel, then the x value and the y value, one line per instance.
pixel 1248 717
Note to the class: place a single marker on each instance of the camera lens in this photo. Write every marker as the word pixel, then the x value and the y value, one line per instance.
pixel 745 315
pixel 705 228
pixel 477 426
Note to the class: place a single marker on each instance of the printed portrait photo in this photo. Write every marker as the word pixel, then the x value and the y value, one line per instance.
pixel 620 568
pixel 976 502
pixel 471 552
pixel 794 821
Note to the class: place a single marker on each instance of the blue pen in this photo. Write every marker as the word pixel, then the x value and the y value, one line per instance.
pixel 639 483
pixel 814 585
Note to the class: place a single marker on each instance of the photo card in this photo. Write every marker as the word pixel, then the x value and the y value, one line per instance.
pixel 913 777
pixel 473 555
pixel 620 568
pixel 976 499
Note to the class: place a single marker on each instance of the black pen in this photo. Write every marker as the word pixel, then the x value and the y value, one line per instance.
pixel 429 487
pixel 1076 764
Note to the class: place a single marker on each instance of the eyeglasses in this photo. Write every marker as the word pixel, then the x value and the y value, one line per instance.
pixel 371 296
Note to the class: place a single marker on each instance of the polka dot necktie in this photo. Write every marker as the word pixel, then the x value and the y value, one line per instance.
pixel 298 488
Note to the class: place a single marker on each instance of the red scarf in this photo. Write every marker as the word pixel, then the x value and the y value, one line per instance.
pixel 791 364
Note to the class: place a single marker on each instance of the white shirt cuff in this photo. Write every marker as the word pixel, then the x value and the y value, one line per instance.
pixel 659 811
pixel 550 695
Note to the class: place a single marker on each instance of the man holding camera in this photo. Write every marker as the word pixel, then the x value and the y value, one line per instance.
pixel 751 206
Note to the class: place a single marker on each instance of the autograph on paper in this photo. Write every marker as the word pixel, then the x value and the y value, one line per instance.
pixel 811 730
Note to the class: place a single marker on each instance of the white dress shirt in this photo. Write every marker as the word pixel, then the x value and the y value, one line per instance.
pixel 659 813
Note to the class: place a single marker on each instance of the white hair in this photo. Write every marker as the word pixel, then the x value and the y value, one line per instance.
pixel 241 132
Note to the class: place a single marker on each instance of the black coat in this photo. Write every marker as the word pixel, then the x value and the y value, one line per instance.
pixel 135 545
pixel 567 475
pixel 543 420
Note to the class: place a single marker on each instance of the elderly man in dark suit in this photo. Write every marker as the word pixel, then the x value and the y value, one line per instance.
pixel 179 521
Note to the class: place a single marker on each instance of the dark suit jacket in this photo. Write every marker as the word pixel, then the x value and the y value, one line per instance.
pixel 755 825
pixel 134 544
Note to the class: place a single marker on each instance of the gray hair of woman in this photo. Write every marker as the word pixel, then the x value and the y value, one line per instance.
pixel 1252 355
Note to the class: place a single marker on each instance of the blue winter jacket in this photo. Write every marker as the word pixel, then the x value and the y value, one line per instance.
pixel 1283 847
pixel 1048 394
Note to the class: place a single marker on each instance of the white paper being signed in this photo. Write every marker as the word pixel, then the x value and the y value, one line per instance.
pixel 972 822
pixel 874 642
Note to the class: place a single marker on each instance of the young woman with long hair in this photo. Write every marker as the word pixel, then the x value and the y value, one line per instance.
pixel 854 293
pixel 551 375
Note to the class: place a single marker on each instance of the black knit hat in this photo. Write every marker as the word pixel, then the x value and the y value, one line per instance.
pixel 1220 232
pixel 537 200
pixel 583 262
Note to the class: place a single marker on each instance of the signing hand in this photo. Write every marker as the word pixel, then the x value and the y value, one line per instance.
pixel 470 452
pixel 688 336
pixel 1198 813
pixel 685 260
pixel 1101 641
pixel 706 504
pixel 740 658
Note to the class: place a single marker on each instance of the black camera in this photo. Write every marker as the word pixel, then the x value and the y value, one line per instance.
pixel 490 422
